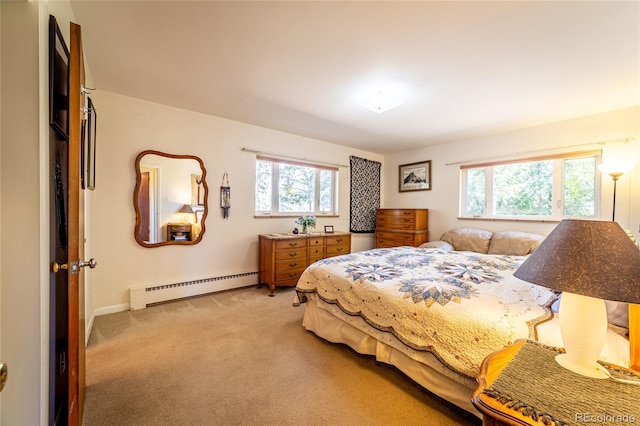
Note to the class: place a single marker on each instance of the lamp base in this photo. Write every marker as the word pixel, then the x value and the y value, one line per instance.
pixel 587 370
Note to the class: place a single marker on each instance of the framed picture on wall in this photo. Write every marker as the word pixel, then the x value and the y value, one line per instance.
pixel 58 80
pixel 91 129
pixel 415 176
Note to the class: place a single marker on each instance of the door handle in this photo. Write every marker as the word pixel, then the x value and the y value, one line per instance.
pixel 55 266
pixel 73 267
pixel 91 263
pixel 3 374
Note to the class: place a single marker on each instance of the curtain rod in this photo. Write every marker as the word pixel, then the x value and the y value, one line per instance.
pixel 254 151
pixel 516 154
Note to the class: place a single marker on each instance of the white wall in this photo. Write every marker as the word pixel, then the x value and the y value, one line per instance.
pixel 22 277
pixel 442 200
pixel 127 126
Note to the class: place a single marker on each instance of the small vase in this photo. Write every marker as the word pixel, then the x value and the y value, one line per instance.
pixel 304 229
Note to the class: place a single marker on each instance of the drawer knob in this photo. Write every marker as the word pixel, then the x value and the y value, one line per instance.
pixel 293 254
pixel 292 244
pixel 293 265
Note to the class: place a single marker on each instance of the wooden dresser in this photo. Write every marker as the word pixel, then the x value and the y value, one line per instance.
pixel 401 227
pixel 283 257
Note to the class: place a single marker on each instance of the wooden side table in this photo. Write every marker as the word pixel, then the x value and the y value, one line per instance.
pixel 526 377
pixel 493 412
pixel 179 232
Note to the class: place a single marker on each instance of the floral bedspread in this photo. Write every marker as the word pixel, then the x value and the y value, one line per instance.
pixel 460 306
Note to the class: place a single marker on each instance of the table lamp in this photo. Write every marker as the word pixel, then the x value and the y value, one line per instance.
pixel 186 209
pixel 589 261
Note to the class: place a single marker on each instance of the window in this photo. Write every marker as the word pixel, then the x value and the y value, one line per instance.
pixel 550 187
pixel 289 188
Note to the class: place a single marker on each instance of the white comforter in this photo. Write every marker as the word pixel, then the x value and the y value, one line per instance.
pixel 460 306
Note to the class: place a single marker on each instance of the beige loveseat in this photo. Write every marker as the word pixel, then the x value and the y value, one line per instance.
pixel 513 243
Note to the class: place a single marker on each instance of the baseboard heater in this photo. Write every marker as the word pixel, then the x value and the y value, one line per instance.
pixel 141 296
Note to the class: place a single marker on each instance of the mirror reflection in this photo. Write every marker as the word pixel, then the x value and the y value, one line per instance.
pixel 170 199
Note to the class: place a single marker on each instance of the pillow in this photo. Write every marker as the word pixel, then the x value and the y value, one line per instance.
pixel 514 243
pixel 617 312
pixel 468 239
pixel 437 244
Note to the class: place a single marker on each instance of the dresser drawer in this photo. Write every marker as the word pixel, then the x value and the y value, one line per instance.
pixel 336 250
pixel 385 243
pixel 400 223
pixel 288 275
pixel 396 213
pixel 316 241
pixel 316 251
pixel 299 253
pixel 398 237
pixel 291 243
pixel 338 240
pixel 283 265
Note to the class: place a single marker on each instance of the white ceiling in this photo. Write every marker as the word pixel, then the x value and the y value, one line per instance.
pixel 465 69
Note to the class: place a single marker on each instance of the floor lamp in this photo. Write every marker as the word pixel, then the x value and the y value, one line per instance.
pixel 615 176
pixel 615 171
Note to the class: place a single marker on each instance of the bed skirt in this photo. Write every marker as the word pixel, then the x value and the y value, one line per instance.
pixel 330 323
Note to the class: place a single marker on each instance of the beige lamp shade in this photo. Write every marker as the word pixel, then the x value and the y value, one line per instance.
pixel 186 208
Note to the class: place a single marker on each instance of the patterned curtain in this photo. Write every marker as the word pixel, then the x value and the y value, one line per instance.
pixel 365 194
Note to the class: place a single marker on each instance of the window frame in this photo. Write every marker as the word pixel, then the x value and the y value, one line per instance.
pixel 275 180
pixel 558 190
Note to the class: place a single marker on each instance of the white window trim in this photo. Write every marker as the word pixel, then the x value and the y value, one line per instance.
pixel 558 187
pixel 275 201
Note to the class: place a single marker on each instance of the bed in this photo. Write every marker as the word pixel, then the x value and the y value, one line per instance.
pixel 433 312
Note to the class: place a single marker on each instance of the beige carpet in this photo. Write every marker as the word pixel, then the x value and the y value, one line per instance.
pixel 242 358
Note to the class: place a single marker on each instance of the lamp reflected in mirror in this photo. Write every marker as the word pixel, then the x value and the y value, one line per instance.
pixel 186 208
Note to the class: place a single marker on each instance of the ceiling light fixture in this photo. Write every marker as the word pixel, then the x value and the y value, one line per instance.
pixel 381 102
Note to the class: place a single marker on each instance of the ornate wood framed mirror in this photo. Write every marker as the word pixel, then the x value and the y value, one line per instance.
pixel 170 199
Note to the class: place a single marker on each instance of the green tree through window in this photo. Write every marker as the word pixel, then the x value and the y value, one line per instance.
pixel 551 188
pixel 301 188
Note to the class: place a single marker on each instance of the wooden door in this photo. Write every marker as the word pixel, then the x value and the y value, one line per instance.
pixel 67 318
pixel 76 229
pixel 58 287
